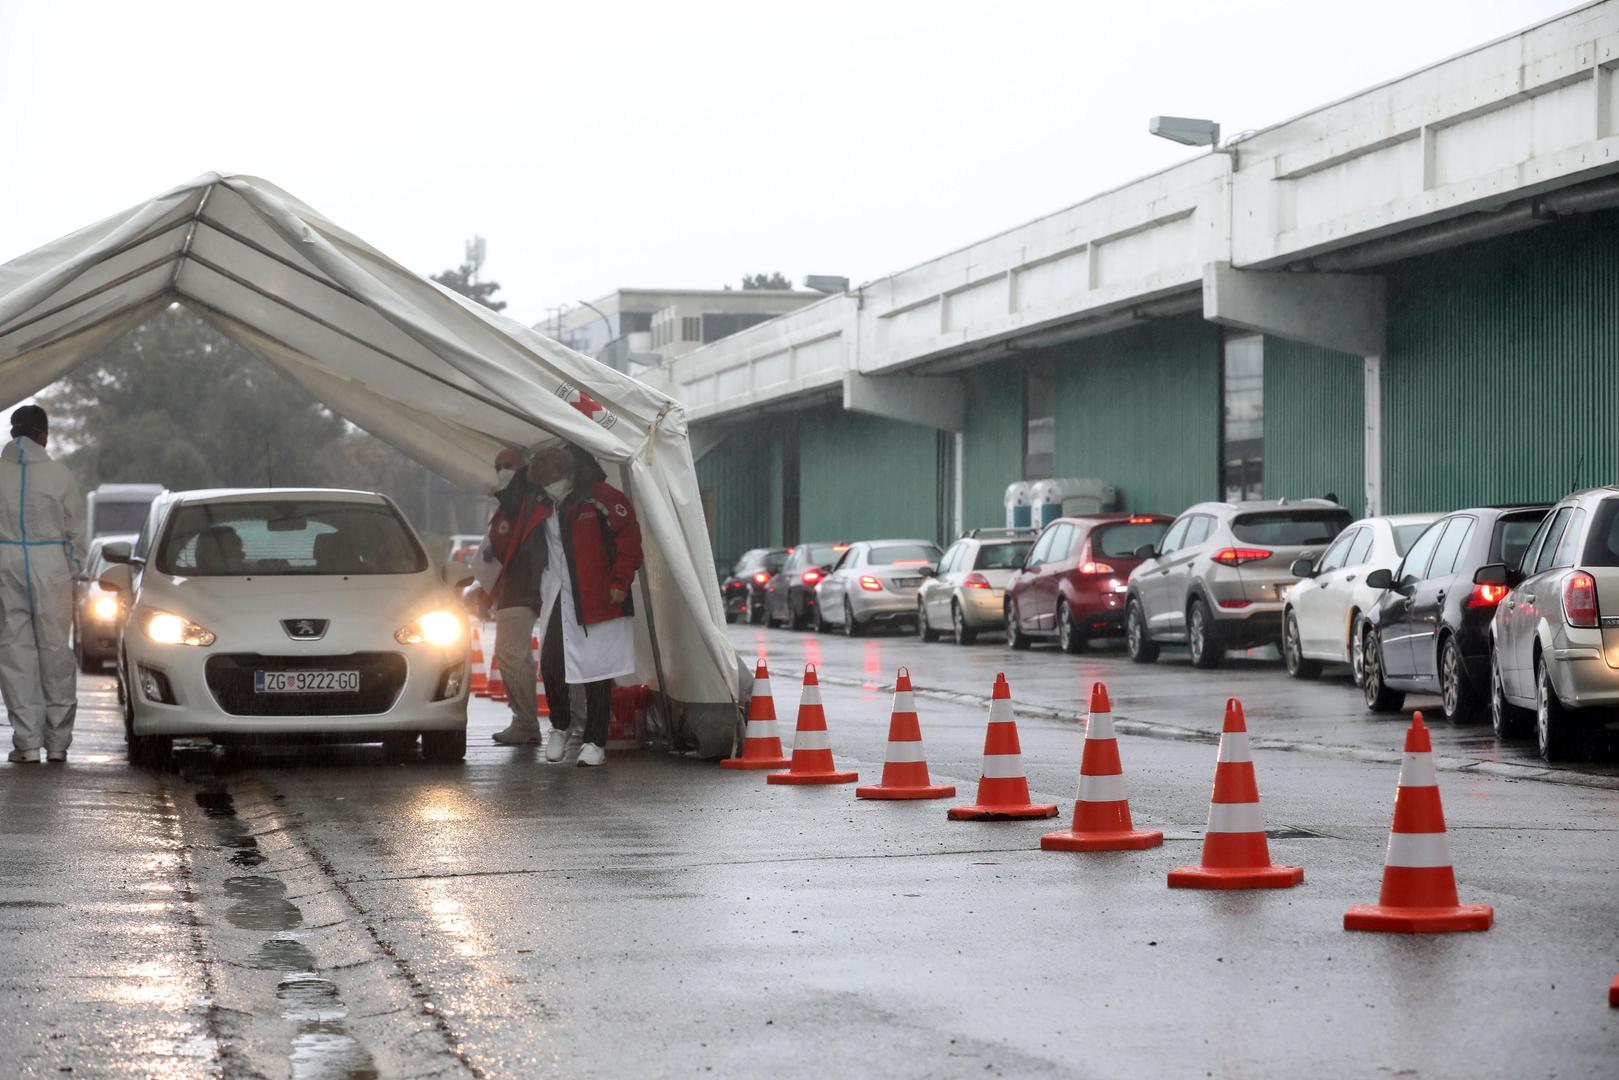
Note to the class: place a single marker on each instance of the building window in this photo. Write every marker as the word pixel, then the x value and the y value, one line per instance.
pixel 691 328
pixel 1242 433
pixel 634 322
pixel 1039 424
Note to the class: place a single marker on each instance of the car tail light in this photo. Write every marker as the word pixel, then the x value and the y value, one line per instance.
pixel 1096 568
pixel 870 584
pixel 1487 596
pixel 812 576
pixel 1235 603
pixel 761 577
pixel 1580 600
pixel 975 581
pixel 1142 520
pixel 1238 556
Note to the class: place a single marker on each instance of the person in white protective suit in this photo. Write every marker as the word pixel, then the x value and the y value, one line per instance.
pixel 42 546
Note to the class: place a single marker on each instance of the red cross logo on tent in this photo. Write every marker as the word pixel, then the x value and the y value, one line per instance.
pixel 586 404
pixel 593 409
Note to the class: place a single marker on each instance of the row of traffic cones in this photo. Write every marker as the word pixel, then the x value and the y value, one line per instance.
pixel 488 682
pixel 1419 882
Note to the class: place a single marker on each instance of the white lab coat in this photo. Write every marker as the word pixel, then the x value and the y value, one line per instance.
pixel 607 649
pixel 42 545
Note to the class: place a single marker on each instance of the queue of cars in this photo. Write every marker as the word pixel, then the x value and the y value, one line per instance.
pixel 1495 610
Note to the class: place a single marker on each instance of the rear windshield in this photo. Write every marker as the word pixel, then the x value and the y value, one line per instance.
pixel 1512 535
pixel 1289 528
pixel 757 560
pixel 1406 535
pixel 1001 556
pixel 1602 542
pixel 820 554
pixel 903 555
pixel 1121 541
pixel 288 537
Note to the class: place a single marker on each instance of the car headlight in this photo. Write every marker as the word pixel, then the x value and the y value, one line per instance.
pixel 441 628
pixel 167 628
pixel 104 608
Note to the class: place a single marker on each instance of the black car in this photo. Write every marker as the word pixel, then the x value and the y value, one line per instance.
pixel 744 591
pixel 790 595
pixel 1429 632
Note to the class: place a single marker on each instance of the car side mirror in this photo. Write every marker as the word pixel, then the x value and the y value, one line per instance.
pixel 1147 551
pixel 456 574
pixel 1303 567
pixel 1380 578
pixel 119 579
pixel 119 552
pixel 1493 574
pixel 825 570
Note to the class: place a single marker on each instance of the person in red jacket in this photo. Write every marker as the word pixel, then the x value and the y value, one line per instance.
pixel 583 548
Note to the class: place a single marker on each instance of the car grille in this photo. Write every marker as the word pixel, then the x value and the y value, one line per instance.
pixel 230 679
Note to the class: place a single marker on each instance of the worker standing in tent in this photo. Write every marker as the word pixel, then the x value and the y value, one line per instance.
pixel 42 546
pixel 590 550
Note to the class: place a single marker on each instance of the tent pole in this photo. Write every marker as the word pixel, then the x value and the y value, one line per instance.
pixel 651 627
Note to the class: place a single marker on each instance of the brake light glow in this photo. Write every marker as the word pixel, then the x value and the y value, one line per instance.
pixel 840 547
pixel 1096 568
pixel 1141 521
pixel 975 581
pixel 1580 600
pixel 761 577
pixel 812 576
pixel 910 562
pixel 870 584
pixel 1487 596
pixel 1235 603
pixel 1238 556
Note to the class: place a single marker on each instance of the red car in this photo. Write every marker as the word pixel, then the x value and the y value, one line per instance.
pixel 1072 585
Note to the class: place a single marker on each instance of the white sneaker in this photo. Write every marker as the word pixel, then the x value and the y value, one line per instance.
pixel 56 757
pixel 556 745
pixel 24 757
pixel 517 736
pixel 590 755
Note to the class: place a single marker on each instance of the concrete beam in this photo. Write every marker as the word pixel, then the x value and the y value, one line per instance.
pixel 936 401
pixel 1346 312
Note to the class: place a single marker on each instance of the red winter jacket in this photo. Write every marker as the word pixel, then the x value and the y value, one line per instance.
pixel 601 539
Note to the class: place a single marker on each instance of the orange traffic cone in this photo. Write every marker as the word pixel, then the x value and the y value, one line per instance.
pixel 1235 852
pixel 497 682
pixel 480 667
pixel 1003 790
pixel 541 706
pixel 812 745
pixel 1419 883
pixel 1101 812
pixel 905 771
pixel 761 745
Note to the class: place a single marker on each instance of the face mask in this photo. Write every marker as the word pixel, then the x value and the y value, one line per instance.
pixel 558 489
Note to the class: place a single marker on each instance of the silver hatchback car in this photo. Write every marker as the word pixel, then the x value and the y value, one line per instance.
pixel 1554 641
pixel 874 583
pixel 966 594
pixel 1221 574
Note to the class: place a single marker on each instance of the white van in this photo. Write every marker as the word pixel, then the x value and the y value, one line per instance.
pixel 118 508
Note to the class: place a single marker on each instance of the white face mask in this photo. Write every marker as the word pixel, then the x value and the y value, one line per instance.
pixel 558 489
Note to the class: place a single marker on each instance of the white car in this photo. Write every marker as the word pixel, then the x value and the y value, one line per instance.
pixel 1321 620
pixel 289 615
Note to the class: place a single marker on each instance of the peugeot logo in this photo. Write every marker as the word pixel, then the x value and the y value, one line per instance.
pixel 305 629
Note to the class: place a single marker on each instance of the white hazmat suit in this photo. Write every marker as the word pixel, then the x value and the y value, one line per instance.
pixel 42 546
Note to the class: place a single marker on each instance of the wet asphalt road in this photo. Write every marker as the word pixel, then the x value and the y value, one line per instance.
pixel 327 914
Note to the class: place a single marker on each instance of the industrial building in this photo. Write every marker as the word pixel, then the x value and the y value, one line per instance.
pixel 653 326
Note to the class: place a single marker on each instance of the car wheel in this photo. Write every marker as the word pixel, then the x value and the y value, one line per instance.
pixel 756 612
pixel 1379 698
pixel 963 634
pixel 1552 721
pixel 444 747
pixel 1206 652
pixel 796 619
pixel 820 625
pixel 1015 637
pixel 1456 695
pixel 1143 649
pixel 730 616
pixel 1293 651
pixel 850 627
pixel 1069 639
pixel 1357 650
pixel 1507 719
pixel 923 630
pixel 398 748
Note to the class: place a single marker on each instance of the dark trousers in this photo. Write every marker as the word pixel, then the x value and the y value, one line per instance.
pixel 598 695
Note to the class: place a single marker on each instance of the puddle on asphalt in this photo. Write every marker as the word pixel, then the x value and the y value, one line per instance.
pixel 261 904
pixel 282 953
pixel 229 829
pixel 323 1049
pixel 31 904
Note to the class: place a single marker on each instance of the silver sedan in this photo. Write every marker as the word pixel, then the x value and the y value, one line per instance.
pixel 874 584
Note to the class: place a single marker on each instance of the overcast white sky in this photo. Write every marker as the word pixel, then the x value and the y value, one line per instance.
pixel 600 144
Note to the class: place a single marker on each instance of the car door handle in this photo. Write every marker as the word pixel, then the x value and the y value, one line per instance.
pixel 1349 577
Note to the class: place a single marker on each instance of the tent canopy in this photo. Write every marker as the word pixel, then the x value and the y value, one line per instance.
pixel 442 378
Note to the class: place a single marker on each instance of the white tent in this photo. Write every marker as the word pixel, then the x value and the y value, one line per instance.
pixel 443 379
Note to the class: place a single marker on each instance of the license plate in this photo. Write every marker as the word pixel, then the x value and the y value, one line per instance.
pixel 306 682
pixel 907 582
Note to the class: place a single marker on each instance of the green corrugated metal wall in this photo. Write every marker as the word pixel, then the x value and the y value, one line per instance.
pixel 993 441
pixel 1141 408
pixel 1314 423
pixel 735 480
pixel 1503 369
pixel 862 477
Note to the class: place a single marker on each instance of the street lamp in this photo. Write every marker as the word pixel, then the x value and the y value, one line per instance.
pixel 1185 130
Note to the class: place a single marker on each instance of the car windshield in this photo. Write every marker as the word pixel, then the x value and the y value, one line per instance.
pixel 1602 542
pixel 903 555
pixel 1121 541
pixel 1002 556
pixel 274 537
pixel 1406 535
pixel 1512 535
pixel 1289 528
pixel 120 516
